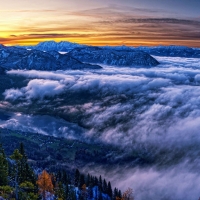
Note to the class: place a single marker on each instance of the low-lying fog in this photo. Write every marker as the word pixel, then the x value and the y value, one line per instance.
pixel 155 110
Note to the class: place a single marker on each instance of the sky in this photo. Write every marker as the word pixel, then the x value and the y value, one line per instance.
pixel 105 22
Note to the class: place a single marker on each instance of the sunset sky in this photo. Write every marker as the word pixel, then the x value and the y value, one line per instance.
pixel 101 22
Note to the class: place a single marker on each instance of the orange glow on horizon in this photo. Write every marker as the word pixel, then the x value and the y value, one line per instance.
pixel 97 27
pixel 99 42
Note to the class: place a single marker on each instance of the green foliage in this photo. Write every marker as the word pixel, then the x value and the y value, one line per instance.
pixel 6 191
pixel 3 167
pixel 23 178
pixel 60 191
pixel 28 196
pixel 25 172
pixel 27 191
pixel 27 184
pixel 17 156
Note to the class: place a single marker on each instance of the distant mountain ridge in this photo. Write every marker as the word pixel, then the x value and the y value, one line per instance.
pixel 62 46
pixel 172 51
pixel 129 58
pixel 42 57
pixel 169 51
pixel 20 58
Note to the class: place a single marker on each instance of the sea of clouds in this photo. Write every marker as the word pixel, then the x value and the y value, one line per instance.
pixel 155 110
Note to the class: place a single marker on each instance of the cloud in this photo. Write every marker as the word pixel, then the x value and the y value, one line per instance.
pixel 114 25
pixel 43 124
pixel 151 115
pixel 174 184
pixel 36 89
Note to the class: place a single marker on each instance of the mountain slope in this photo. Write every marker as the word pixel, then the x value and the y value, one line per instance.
pixel 69 62
pixel 19 58
pixel 172 51
pixel 113 57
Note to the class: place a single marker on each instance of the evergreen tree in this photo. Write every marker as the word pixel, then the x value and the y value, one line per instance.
pixel 115 193
pixel 120 194
pixel 82 180
pixel 25 172
pixel 66 188
pixel 100 184
pixel 92 181
pixel 64 177
pixel 76 178
pixel 16 156
pixel 105 186
pixel 60 191
pixel 88 180
pixel 27 191
pixel 72 194
pixel 3 168
pixel 109 191
pixel 96 181
pixel 59 176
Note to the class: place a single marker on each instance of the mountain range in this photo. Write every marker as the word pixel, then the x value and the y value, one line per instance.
pixel 64 55
pixel 168 51
pixel 172 51
pixel 21 58
pixel 45 56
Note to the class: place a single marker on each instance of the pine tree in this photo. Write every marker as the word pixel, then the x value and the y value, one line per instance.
pixel 3 167
pixel 120 194
pixel 76 178
pixel 100 184
pixel 16 156
pixel 105 186
pixel 60 191
pixel 96 182
pixel 25 172
pixel 82 180
pixel 115 193
pixel 64 178
pixel 72 194
pixel 109 191
pixel 66 191
pixel 88 180
pixel 92 181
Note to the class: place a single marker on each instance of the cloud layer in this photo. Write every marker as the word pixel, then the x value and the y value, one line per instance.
pixel 153 113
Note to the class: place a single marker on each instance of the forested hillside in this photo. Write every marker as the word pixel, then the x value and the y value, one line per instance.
pixel 19 181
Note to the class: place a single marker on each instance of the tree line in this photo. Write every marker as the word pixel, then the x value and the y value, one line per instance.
pixel 18 181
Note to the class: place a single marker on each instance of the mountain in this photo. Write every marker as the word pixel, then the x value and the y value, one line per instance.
pixel 63 46
pixel 69 62
pixel 172 51
pixel 108 56
pixel 19 58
